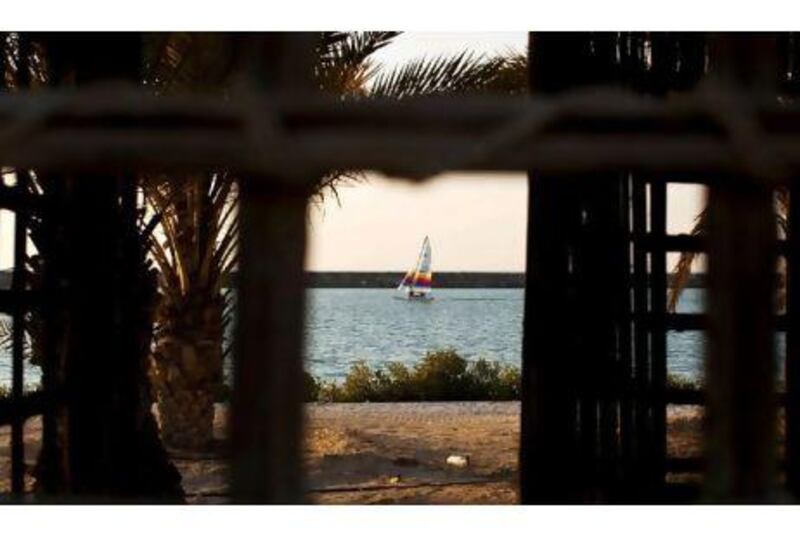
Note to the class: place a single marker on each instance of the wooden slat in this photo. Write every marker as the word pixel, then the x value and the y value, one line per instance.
pixel 30 404
pixel 268 386
pixel 740 369
pixel 671 243
pixel 549 466
pixel 590 133
pixel 597 110
pixel 18 282
pixel 792 369
pixel 688 243
pixel 643 411
pixel 576 306
pixel 606 269
pixel 793 345
pixel 13 198
pixel 685 464
pixel 658 332
pixel 11 301
pixel 742 408
pixel 695 321
pixel 18 287
pixel 674 396
pixel 627 433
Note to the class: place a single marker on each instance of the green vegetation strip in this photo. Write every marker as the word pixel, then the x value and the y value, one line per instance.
pixel 440 376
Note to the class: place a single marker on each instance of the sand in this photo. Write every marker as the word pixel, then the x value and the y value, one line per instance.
pixel 391 453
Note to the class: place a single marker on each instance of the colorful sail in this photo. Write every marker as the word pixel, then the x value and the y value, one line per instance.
pixel 407 279
pixel 417 282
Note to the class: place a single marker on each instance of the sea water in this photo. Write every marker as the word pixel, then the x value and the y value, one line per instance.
pixel 347 325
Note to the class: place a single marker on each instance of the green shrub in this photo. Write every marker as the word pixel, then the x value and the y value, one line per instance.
pixel 4 391
pixel 329 391
pixel 681 383
pixel 400 384
pixel 510 385
pixel 442 376
pixel 494 381
pixel 439 376
pixel 360 384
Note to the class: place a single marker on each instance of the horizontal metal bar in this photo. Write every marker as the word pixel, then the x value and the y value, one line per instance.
pixel 696 464
pixel 670 243
pixel 676 396
pixel 11 300
pixel 31 404
pixel 685 243
pixel 13 199
pixel 684 396
pixel 291 139
pixel 685 464
pixel 692 321
pixel 684 321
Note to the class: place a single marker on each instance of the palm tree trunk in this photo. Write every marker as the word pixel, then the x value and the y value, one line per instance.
pixel 102 444
pixel 186 372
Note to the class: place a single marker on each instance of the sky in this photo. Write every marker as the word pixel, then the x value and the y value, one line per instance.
pixel 475 222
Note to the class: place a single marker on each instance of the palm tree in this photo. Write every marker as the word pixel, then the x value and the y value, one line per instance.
pixel 195 246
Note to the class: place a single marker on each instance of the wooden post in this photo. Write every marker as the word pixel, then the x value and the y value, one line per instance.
pixel 548 417
pixel 675 63
pixel 268 386
pixel 18 287
pixel 574 304
pixel 658 333
pixel 792 442
pixel 627 428
pixel 791 86
pixel 741 410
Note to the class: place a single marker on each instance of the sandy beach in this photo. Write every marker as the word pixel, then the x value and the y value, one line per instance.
pixel 390 453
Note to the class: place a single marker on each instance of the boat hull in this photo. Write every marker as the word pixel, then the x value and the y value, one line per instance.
pixel 407 298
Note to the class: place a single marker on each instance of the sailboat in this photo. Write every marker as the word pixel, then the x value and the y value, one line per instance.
pixel 416 284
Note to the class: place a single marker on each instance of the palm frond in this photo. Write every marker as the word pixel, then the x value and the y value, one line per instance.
pixel 227 246
pixel 6 334
pixel 344 65
pixel 509 74
pixel 188 60
pixel 340 49
pixel 683 268
pixel 465 72
pixel 328 185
